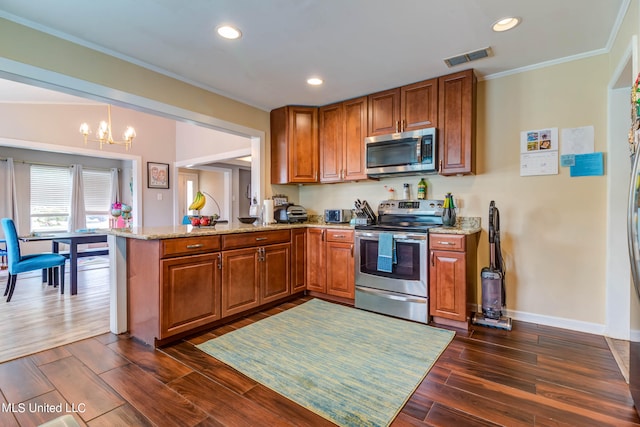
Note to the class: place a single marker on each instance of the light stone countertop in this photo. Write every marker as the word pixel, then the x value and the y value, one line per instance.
pixel 464 225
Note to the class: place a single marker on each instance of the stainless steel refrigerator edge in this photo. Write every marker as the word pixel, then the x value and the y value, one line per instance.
pixel 634 255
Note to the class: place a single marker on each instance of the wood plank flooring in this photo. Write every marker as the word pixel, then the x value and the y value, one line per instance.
pixel 532 376
pixel 38 317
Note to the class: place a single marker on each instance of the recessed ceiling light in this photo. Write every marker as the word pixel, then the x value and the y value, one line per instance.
pixel 229 32
pixel 505 24
pixel 314 81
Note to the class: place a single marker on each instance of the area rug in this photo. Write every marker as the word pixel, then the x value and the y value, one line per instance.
pixel 350 366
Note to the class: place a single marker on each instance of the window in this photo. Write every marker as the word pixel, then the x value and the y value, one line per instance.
pixel 97 197
pixel 50 198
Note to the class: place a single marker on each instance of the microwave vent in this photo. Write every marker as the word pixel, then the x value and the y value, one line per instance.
pixel 468 57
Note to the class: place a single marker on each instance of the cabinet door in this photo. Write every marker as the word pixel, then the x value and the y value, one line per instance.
pixel 275 266
pixel 303 144
pixel 316 260
pixel 340 269
pixel 294 145
pixel 419 105
pixel 331 142
pixel 447 285
pixel 384 112
pixel 240 280
pixel 355 122
pixel 190 294
pixel 456 123
pixel 298 260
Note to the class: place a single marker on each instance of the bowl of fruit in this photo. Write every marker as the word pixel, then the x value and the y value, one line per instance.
pixel 204 220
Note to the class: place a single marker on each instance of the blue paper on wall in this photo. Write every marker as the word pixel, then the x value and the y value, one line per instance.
pixel 591 164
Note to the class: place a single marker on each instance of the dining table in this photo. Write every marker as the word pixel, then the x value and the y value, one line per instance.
pixel 73 239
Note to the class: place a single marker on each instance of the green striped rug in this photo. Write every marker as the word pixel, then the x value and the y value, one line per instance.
pixel 350 366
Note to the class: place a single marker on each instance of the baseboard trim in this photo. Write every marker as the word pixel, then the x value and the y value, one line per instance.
pixel 558 322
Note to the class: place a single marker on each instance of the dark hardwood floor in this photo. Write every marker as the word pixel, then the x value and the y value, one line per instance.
pixel 531 376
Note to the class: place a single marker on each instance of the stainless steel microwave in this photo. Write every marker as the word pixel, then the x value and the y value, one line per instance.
pixel 405 153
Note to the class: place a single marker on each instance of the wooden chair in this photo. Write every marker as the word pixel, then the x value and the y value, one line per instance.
pixel 19 264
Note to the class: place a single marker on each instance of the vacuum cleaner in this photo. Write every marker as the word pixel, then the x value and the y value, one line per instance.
pixel 493 289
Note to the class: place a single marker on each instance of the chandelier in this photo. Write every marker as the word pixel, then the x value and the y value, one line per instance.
pixel 103 134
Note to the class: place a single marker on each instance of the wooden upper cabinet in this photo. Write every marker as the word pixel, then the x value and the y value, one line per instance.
pixel 355 121
pixel 457 123
pixel 294 145
pixel 342 132
pixel 419 105
pixel 384 112
pixel 331 139
pixel 406 108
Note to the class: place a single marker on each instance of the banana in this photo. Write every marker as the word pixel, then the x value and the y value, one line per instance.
pixel 203 201
pixel 197 202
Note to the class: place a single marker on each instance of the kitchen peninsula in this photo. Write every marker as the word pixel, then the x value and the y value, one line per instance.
pixel 170 281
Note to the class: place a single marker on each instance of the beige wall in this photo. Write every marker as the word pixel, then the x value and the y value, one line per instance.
pixel 553 227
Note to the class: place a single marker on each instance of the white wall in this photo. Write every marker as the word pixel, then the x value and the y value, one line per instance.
pixel 196 142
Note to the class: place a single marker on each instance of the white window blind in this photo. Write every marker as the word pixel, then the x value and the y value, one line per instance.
pixel 50 197
pixel 97 197
pixel 97 187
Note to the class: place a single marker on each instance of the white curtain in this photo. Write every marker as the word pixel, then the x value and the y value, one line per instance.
pixel 8 193
pixel 77 218
pixel 115 186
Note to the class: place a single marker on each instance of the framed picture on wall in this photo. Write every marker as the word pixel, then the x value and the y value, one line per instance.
pixel 157 175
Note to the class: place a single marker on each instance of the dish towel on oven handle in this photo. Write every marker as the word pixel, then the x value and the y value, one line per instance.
pixel 386 252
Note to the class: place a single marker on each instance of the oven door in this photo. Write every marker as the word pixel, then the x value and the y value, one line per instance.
pixel 409 274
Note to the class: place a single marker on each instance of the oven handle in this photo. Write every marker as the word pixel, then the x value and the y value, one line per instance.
pixel 391 295
pixel 404 237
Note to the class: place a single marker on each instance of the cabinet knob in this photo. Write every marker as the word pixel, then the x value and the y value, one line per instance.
pixel 261 238
pixel 196 246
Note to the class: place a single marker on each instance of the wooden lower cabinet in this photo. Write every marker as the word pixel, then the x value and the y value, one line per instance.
pixel 240 276
pixel 452 279
pixel 254 276
pixel 316 271
pixel 298 260
pixel 175 286
pixel 190 294
pixel 330 262
pixel 340 269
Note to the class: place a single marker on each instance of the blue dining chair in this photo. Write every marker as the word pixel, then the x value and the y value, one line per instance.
pixel 23 263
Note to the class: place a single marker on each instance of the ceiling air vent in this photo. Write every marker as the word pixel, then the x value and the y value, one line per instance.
pixel 468 57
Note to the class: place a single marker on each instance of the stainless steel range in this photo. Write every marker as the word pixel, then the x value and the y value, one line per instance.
pixel 391 256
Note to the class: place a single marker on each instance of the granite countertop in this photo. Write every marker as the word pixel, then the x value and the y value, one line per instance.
pixel 464 225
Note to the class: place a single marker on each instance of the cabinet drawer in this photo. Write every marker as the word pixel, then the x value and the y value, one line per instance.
pixel 257 238
pixel 190 245
pixel 335 235
pixel 447 242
